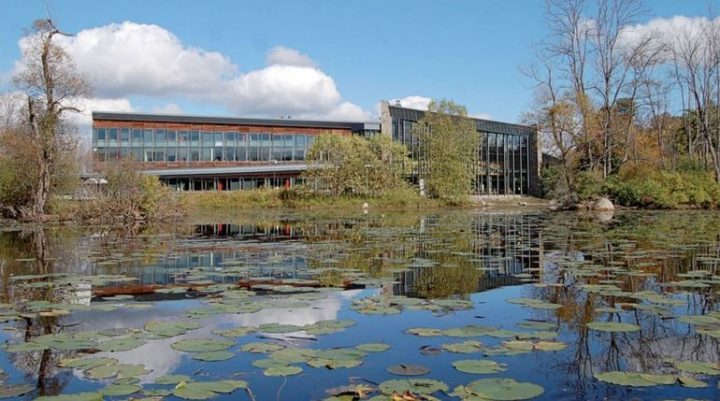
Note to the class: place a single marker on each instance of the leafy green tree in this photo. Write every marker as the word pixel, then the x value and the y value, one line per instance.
pixel 351 165
pixel 448 151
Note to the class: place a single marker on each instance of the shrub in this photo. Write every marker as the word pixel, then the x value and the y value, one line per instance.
pixel 666 190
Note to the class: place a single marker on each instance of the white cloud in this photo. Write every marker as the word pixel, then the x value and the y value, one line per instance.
pixel 282 88
pixel 131 59
pixel 413 102
pixel 421 103
pixel 87 106
pixel 140 59
pixel 280 55
pixel 671 32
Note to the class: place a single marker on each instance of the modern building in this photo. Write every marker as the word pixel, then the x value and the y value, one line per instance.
pixel 508 161
pixel 191 153
pixel 195 153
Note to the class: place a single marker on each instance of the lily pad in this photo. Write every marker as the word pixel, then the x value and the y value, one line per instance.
pixel 261 348
pixel 171 379
pixel 613 327
pixel 14 390
pixel 625 379
pixel 72 397
pixel 114 390
pixel 416 386
pixel 706 368
pixel 120 344
pixel 479 366
pixel 373 347
pixel 213 356
pixel 503 389
pixel 288 370
pixel 202 345
pixel 240 331
pixel 408 370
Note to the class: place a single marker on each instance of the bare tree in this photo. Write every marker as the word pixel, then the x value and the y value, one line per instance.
pixel 696 56
pixel 50 80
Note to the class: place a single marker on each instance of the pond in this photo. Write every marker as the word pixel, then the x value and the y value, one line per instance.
pixel 458 305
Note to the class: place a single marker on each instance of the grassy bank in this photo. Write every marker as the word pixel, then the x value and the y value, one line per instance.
pixel 652 189
pixel 237 203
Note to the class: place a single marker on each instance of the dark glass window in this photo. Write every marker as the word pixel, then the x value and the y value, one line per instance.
pixel 101 134
pixel 171 154
pixel 240 153
pixel 148 135
pixel 137 135
pixel 182 154
pixel 194 136
pixel 125 134
pixel 195 155
pixel 300 140
pixel 182 136
pixel 230 136
pixel 171 136
pixel 218 154
pixel 160 135
pixel 112 134
pixel 207 137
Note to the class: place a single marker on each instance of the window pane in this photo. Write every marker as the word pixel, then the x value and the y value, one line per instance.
pixel 171 136
pixel 112 134
pixel 101 134
pixel 125 134
pixel 137 135
pixel 241 153
pixel 148 135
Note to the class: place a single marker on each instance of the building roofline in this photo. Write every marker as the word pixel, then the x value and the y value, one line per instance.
pixel 219 120
pixel 204 171
pixel 480 122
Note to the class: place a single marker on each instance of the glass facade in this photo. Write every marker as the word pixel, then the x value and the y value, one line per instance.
pixel 502 166
pixel 184 146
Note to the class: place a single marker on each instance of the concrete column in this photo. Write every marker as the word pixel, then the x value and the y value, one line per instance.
pixel 385 119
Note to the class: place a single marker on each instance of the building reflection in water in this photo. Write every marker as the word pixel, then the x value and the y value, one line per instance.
pixel 501 248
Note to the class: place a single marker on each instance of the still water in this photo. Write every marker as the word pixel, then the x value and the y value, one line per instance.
pixel 449 306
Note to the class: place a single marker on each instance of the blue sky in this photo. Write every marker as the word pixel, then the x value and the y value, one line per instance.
pixel 468 51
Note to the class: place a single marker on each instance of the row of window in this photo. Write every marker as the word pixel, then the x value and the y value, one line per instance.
pixel 229 184
pixel 220 153
pixel 502 159
pixel 148 137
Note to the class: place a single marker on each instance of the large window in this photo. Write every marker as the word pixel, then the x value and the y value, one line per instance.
pixel 162 145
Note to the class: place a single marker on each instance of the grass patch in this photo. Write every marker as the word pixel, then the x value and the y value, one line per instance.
pixel 246 201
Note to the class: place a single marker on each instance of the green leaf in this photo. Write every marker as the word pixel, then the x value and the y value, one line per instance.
pixel 282 370
pixel 478 366
pixel 202 345
pixel 373 347
pixel 503 389
pixel 417 386
pixel 613 326
pixel 408 370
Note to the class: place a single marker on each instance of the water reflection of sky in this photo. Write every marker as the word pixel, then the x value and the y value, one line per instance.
pixel 484 258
